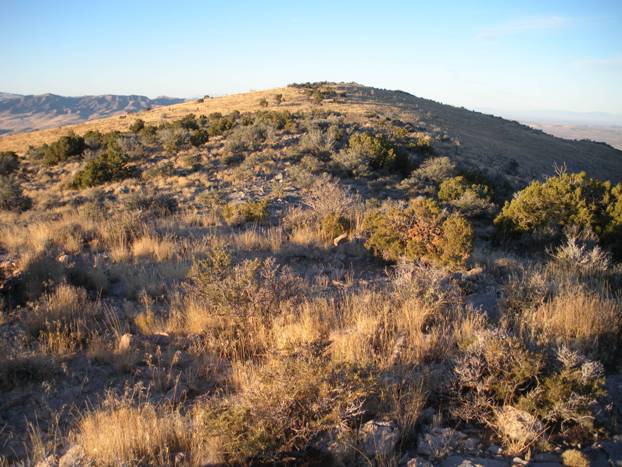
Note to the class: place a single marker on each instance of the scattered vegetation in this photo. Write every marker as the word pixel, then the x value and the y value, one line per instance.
pixel 107 166
pixel 9 163
pixel 315 286
pixel 62 149
pixel 544 209
pixel 419 231
pixel 11 196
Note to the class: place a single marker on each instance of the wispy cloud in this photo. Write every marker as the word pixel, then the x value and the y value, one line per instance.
pixel 601 61
pixel 522 25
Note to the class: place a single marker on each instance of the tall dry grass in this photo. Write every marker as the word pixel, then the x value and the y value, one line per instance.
pixel 124 432
pixel 585 321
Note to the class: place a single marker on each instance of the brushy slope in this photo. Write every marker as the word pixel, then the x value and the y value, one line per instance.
pixel 283 282
pixel 484 139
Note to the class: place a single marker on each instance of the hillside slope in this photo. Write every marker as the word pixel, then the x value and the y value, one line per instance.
pixel 485 140
pixel 274 287
pixel 34 112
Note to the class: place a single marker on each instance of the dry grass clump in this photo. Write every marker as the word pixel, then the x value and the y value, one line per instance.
pixel 234 304
pixel 64 319
pixel 286 405
pixel 238 213
pixel 280 406
pixel 582 256
pixel 418 319
pixel 125 432
pixel 158 249
pixel 67 234
pixel 255 238
pixel 116 234
pixel 584 321
pixel 334 209
pixel 575 458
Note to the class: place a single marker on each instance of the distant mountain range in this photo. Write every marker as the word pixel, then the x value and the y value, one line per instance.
pixel 20 113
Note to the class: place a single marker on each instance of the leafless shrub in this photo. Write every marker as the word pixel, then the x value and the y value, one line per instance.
pixel 327 196
pixel 583 255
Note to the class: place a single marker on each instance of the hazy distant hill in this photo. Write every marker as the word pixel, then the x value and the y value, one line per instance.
pixel 35 112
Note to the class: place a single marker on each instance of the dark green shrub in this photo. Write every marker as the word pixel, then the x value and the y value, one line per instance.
pixel 11 197
pixel 278 98
pixel 366 154
pixel 219 124
pixel 199 137
pixel 545 209
pixel 108 166
pixel 263 102
pixel 470 198
pixel 62 149
pixel 419 231
pixel 333 225
pixel 137 126
pixel 94 140
pixel 188 122
pixel 237 213
pixel 9 162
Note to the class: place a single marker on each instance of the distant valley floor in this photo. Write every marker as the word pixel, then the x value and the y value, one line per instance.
pixel 610 134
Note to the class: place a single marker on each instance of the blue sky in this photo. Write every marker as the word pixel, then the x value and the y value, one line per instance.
pixel 512 55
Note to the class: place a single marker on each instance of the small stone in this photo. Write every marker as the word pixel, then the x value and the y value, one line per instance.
pixel 518 425
pixel 378 438
pixel 427 415
pixel 471 444
pixel 419 462
pixel 494 449
pixel 439 442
